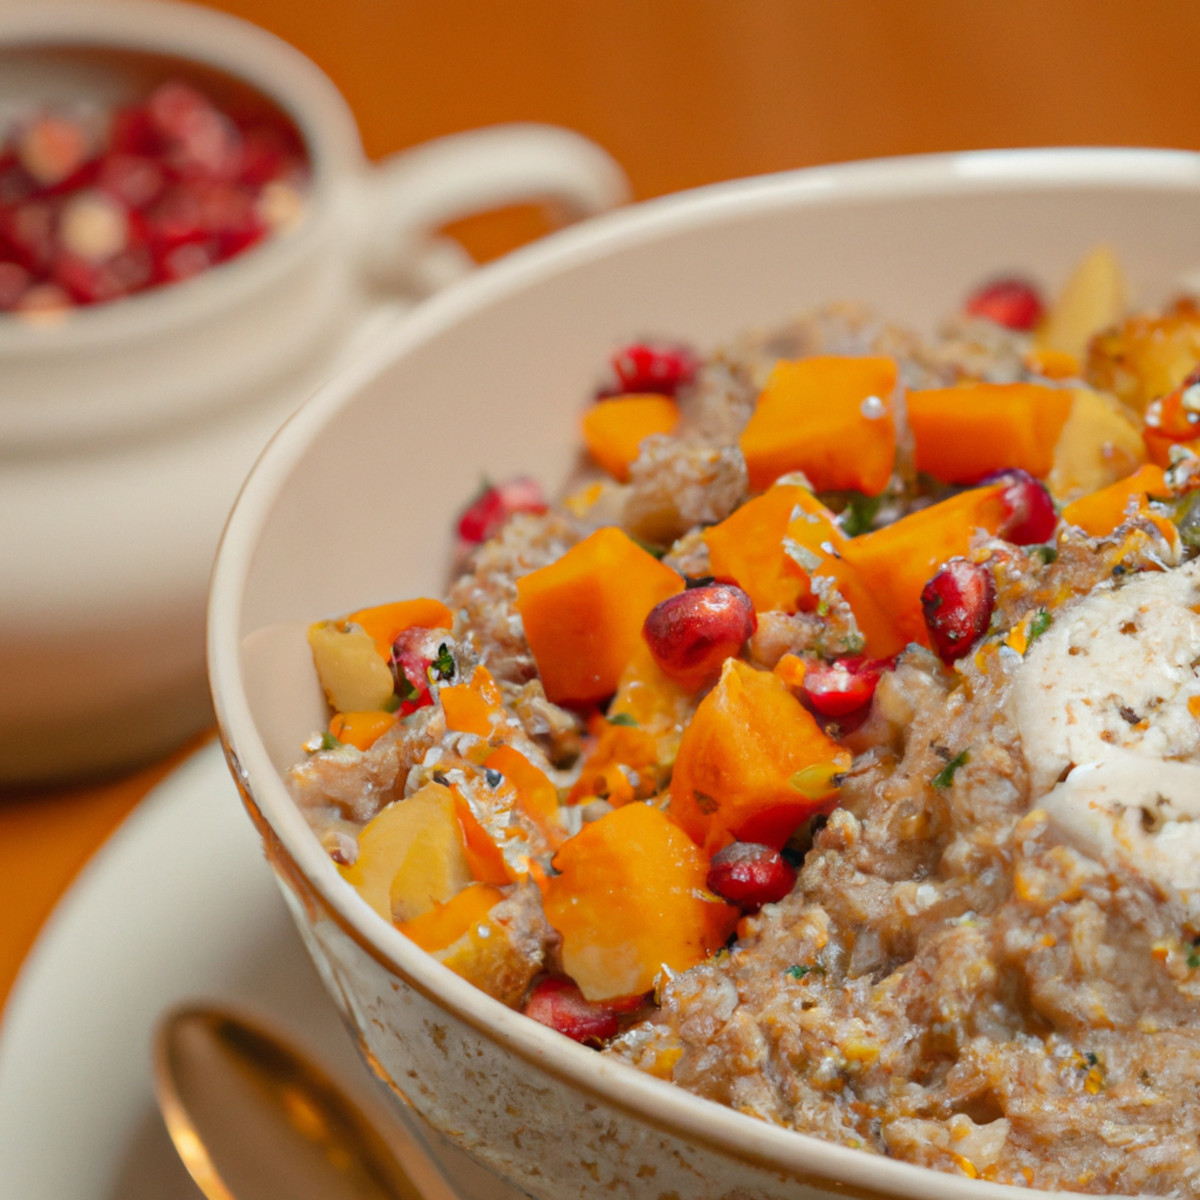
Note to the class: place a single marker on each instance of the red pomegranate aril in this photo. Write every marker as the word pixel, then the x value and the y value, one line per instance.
pixel 182 262
pixel 409 663
pixel 1031 516
pixel 134 179
pixel 1010 301
pixel 643 367
pixel 750 875
pixel 957 603
pixel 496 504
pixel 14 280
pixel 844 686
pixel 558 1003
pixel 692 633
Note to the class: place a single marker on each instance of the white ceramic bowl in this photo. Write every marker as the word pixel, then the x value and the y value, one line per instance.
pixel 490 377
pixel 126 429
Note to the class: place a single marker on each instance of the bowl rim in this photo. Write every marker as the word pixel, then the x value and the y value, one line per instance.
pixel 229 45
pixel 650 1100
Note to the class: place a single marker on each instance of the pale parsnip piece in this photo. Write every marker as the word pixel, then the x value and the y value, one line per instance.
pixel 1099 444
pixel 410 855
pixel 1094 298
pixel 354 676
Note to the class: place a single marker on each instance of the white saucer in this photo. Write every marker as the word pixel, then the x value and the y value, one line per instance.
pixel 179 904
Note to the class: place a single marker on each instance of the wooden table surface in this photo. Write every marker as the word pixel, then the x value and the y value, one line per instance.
pixel 682 94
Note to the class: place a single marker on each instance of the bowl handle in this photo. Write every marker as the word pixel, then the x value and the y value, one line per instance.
pixel 415 192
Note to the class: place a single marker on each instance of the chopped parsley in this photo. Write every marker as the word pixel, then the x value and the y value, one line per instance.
pixel 1038 625
pixel 329 742
pixel 443 666
pixel 405 689
pixel 859 514
pixel 1193 960
pixel 945 777
pixel 800 970
pixel 622 719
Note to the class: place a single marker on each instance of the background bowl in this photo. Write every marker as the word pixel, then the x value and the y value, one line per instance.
pixel 490 378
pixel 127 427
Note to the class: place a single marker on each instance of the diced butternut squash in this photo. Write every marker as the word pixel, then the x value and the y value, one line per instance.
pixel 813 543
pixel 484 857
pixel 621 766
pixel 410 855
pixel 630 899
pixel 463 934
pixel 352 673
pixel 896 562
pixel 1099 445
pixel 747 548
pixel 965 432
pixel 583 613
pixel 828 416
pixel 442 925
pixel 537 797
pixel 385 622
pixel 1093 298
pixel 1101 512
pixel 361 729
pixel 753 763
pixel 474 707
pixel 613 430
pixel 648 697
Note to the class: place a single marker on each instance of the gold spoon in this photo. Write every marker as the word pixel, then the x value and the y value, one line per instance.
pixel 253 1118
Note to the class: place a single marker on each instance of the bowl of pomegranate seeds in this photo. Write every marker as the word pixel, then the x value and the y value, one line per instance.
pixel 191 239
pixel 743 735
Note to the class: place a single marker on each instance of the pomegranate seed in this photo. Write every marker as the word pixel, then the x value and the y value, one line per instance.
pixel 133 179
pixel 496 504
pixel 1012 302
pixel 643 367
pixel 843 686
pixel 14 279
pixel 692 633
pixel 957 603
pixel 266 156
pixel 133 131
pixel 750 875
pixel 558 1003
pixel 1032 517
pixel 409 661
pixel 184 261
pixel 28 231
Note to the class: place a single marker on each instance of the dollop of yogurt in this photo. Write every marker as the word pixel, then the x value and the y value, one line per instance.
pixel 1106 702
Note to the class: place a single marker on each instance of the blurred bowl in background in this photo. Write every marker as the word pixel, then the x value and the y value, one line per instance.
pixel 126 427
pixel 490 378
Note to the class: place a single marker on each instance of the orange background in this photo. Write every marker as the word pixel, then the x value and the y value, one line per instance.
pixel 684 93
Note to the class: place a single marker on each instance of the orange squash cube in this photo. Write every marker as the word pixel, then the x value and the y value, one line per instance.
pixel 747 549
pixel 583 613
pixel 613 430
pixel 829 416
pixel 630 899
pixel 753 763
pixel 1101 512
pixel 965 432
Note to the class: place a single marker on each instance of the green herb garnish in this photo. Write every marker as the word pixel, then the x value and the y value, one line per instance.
pixel 622 719
pixel 1037 626
pixel 797 971
pixel 859 514
pixel 443 666
pixel 945 777
pixel 329 742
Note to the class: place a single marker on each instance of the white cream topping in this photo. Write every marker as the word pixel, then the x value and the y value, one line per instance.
pixel 1104 705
